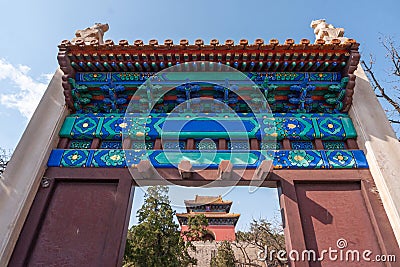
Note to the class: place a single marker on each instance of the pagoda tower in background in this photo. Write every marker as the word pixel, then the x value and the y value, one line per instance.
pixel 221 223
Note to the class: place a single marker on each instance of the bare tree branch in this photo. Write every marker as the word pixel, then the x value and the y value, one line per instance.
pixel 394 121
pixel 393 54
pixel 265 235
pixel 390 81
pixel 378 86
pixel 5 156
pixel 242 247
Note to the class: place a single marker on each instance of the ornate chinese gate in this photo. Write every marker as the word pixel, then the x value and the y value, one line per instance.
pixel 327 194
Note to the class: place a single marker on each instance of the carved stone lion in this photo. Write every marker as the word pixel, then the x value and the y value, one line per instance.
pixel 327 32
pixel 96 32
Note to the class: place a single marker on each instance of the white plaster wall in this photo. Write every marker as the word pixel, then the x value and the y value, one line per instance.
pixel 23 174
pixel 378 140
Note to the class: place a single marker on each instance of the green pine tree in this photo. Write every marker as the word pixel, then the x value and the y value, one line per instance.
pixel 156 241
pixel 224 257
pixel 197 227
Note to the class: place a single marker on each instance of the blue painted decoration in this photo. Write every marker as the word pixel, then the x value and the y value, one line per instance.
pixel 283 159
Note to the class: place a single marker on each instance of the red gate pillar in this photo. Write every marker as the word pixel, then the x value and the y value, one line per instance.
pixel 78 222
pixel 334 218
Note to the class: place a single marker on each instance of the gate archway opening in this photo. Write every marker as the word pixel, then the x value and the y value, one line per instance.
pixel 305 144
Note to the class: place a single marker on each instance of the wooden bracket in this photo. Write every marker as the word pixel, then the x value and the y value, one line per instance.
pixel 185 169
pixel 264 170
pixel 144 170
pixel 225 169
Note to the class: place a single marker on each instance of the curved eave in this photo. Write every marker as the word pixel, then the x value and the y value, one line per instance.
pixel 209 215
pixel 83 57
pixel 192 203
pixel 168 45
pixel 152 57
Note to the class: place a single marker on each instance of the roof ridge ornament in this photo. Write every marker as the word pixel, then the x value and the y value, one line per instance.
pixel 95 32
pixel 327 32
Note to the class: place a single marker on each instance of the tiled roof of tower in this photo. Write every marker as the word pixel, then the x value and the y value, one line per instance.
pixel 210 214
pixel 201 200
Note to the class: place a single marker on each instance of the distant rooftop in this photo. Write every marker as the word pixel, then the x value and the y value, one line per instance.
pixel 209 214
pixel 200 200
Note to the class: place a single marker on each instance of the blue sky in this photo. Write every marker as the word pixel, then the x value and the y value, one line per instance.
pixel 31 31
pixel 250 203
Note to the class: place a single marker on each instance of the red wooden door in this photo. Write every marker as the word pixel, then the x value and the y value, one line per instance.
pixel 76 222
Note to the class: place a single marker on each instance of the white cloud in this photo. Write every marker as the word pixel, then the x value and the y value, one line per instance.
pixel 28 91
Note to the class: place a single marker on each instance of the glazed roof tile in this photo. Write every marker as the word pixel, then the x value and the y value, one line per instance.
pixel 201 200
pixel 210 214
pixel 259 56
pixel 199 44
pixel 153 57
